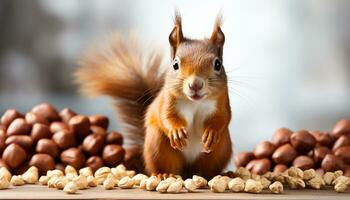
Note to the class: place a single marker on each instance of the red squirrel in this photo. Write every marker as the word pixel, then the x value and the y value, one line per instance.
pixel 179 117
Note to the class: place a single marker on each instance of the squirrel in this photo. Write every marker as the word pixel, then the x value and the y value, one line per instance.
pixel 179 117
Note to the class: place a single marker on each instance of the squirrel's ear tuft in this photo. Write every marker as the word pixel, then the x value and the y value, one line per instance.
pixel 176 36
pixel 218 37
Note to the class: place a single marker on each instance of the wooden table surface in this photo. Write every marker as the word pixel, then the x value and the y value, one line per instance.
pixel 42 192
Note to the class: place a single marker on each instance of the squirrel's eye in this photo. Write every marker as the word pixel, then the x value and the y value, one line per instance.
pixel 176 63
pixel 217 65
pixel 176 66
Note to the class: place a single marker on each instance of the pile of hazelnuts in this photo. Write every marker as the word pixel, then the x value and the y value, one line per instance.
pixel 49 139
pixel 325 152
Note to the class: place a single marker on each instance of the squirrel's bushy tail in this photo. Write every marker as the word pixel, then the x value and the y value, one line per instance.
pixel 119 70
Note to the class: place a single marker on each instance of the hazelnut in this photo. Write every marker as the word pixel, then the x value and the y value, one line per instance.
pixel 331 163
pixel 281 136
pixel 175 187
pixel 40 131
pixel 99 120
pixel 60 166
pixel 133 158
pixel 341 141
pixel 250 165
pixel 342 127
pixel 74 157
pixel 302 141
pixel 261 166
pixel 199 181
pixel 47 111
pixel 43 162
pixel 114 138
pixel 264 149
pixel 2 143
pixel 98 130
pixel 47 146
pixel 343 153
pixel 284 154
pixel 93 143
pixel 303 162
pixel 64 139
pixel 322 139
pixel 94 162
pixel 320 152
pixel 113 154
pixel 66 114
pixel 58 126
pixel 18 127
pixel 243 158
pixel 8 117
pixel 24 141
pixel 279 168
pixel 32 118
pixel 14 155
pixel 80 125
pixel 163 186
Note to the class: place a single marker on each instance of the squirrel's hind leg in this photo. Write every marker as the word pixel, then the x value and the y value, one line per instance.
pixel 159 156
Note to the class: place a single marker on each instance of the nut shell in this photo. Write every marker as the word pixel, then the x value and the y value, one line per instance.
pixel 303 162
pixel 284 154
pixel 243 158
pixel 281 136
pixel 113 155
pixel 342 141
pixel 114 138
pixel 331 163
pixel 10 115
pixel 19 127
pixel 47 111
pixel 93 143
pixel 66 114
pixel 280 168
pixel 323 139
pixel 14 155
pixel 94 162
pixel 24 141
pixel 32 118
pixel 40 131
pixel 64 139
pixel 342 127
pixel 344 154
pixel 99 120
pixel 80 126
pixel 319 153
pixel 264 149
pixel 261 166
pixel 74 157
pixel 302 141
pixel 43 162
pixel 47 146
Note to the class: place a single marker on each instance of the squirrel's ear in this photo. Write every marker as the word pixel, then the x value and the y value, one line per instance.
pixel 218 37
pixel 176 36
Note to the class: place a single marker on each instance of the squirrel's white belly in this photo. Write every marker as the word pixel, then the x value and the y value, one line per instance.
pixel 195 113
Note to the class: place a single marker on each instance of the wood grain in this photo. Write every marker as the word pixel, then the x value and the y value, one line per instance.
pixel 42 192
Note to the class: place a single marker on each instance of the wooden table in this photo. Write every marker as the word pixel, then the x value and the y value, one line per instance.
pixel 42 192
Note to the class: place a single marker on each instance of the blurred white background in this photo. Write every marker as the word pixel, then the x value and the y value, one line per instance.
pixel 288 60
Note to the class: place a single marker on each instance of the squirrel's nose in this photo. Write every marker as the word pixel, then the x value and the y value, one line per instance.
pixel 196 86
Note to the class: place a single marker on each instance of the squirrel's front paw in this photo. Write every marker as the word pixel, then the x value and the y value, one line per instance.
pixel 178 138
pixel 209 139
